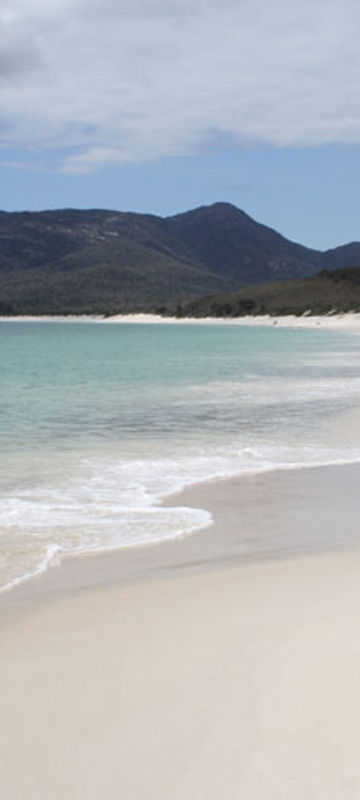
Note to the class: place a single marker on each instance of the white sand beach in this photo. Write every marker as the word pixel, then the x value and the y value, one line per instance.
pixel 348 321
pixel 336 321
pixel 239 683
pixel 219 676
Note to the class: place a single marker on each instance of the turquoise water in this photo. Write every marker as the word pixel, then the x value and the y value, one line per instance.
pixel 99 421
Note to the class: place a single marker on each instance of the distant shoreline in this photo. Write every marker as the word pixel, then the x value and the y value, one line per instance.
pixel 345 321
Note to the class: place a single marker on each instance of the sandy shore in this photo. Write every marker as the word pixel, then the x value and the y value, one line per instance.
pixel 210 678
pixel 239 684
pixel 276 514
pixel 348 321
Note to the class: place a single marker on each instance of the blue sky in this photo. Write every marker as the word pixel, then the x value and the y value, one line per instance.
pixel 159 106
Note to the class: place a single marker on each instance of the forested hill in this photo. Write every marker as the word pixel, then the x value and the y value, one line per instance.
pixel 72 261
pixel 328 292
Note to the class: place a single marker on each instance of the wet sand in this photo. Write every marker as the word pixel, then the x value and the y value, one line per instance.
pixel 276 515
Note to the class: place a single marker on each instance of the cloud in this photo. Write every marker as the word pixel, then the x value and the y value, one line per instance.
pixel 101 82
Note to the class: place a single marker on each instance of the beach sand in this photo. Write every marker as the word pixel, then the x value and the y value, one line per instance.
pixel 220 670
pixel 341 322
pixel 346 321
pixel 237 684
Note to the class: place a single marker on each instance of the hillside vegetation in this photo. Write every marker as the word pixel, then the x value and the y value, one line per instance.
pixel 328 292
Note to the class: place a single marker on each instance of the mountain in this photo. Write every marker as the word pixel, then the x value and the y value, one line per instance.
pixel 232 244
pixel 72 261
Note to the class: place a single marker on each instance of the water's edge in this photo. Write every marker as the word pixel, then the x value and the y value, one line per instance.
pixel 70 571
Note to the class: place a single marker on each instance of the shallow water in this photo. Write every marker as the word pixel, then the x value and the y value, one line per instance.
pixel 99 422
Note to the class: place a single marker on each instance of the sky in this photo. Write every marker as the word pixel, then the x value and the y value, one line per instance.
pixel 160 106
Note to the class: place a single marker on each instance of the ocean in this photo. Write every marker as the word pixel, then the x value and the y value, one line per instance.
pixel 99 422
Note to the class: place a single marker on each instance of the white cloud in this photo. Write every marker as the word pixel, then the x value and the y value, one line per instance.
pixel 108 81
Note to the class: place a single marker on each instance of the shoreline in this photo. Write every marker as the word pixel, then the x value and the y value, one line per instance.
pixel 256 517
pixel 49 566
pixel 347 321
pixel 179 497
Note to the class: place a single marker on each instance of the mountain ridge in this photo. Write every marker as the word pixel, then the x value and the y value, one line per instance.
pixel 105 261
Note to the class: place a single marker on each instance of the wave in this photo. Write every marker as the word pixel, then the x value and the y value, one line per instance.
pixel 116 503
